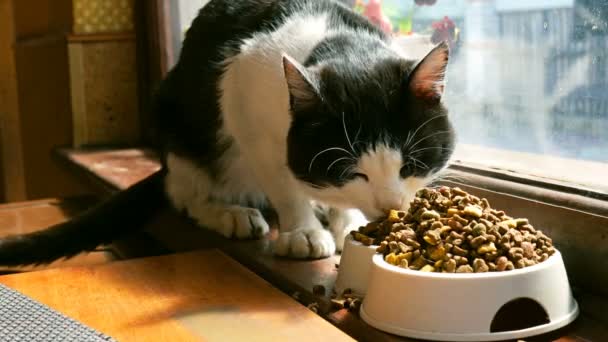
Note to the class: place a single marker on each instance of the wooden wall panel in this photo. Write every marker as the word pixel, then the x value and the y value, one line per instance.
pixel 11 162
pixel 42 17
pixel 104 95
pixel 45 113
pixel 35 113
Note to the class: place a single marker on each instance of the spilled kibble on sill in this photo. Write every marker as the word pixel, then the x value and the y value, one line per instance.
pixel 451 231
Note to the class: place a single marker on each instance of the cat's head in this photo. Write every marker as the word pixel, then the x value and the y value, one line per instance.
pixel 368 136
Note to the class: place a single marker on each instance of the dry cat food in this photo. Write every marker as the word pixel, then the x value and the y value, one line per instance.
pixel 449 230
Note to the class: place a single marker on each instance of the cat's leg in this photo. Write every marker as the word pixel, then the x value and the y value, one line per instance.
pixel 342 222
pixel 301 233
pixel 188 189
pixel 232 221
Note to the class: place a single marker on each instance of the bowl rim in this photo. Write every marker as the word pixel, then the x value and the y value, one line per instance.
pixel 556 258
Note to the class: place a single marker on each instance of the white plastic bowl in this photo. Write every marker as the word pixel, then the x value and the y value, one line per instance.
pixel 462 307
pixel 355 265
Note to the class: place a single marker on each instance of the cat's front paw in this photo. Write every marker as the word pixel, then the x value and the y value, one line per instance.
pixel 305 243
pixel 242 223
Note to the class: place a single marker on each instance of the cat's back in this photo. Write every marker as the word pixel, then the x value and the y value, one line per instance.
pixel 187 105
pixel 222 25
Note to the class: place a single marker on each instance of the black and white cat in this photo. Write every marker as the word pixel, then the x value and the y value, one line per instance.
pixel 279 103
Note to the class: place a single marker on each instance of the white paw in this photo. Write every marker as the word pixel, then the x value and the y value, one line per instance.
pixel 342 222
pixel 306 243
pixel 242 223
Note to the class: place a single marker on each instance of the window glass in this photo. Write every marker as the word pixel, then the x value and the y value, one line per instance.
pixel 527 82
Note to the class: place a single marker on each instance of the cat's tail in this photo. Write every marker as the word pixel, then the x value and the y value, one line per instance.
pixel 114 217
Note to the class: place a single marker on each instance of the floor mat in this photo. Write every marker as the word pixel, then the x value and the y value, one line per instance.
pixel 24 319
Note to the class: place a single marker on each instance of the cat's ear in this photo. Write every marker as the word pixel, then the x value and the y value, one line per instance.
pixel 302 92
pixel 427 81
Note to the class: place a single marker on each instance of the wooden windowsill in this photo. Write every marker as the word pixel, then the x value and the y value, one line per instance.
pixel 116 169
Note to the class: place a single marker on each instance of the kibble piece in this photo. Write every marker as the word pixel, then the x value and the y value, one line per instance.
pixel 516 253
pixel 437 252
pixel 455 225
pixel 459 192
pixel 418 263
pixel 430 214
pixel 391 259
pixel 478 241
pixel 450 266
pixel 479 266
pixel 383 247
pixel 464 269
pixel 486 248
pixel 436 225
pixel 411 242
pixel 461 220
pixel 459 251
pixel 393 247
pixel 393 216
pixel 479 229
pixel 403 248
pixel 432 237
pixel 408 256
pixel 444 230
pixel 464 260
pixel 452 212
pixel 427 268
pixel 473 210
pixel 528 249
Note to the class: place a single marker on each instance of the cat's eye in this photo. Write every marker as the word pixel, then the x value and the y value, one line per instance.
pixel 362 176
pixel 406 171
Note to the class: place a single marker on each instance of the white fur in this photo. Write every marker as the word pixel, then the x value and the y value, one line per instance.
pixel 210 204
pixel 256 116
pixel 384 191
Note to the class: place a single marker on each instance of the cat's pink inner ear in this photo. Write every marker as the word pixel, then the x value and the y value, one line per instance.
pixel 300 88
pixel 427 81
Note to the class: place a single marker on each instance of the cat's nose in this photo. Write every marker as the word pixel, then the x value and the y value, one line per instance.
pixel 392 204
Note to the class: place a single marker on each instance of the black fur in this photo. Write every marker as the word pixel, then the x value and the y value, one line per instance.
pixel 359 78
pixel 99 225
pixel 364 89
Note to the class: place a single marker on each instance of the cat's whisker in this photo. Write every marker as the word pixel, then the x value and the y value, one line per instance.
pixel 425 123
pixel 346 134
pixel 448 176
pixel 337 161
pixel 327 150
pixel 431 148
pixel 356 143
pixel 407 140
pixel 416 160
pixel 450 179
pixel 346 169
pixel 428 136
pixel 312 185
